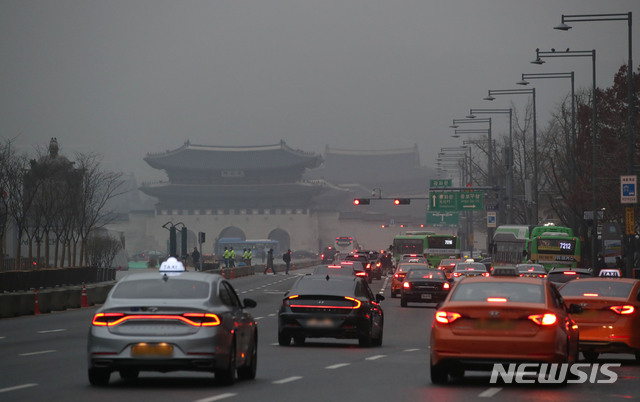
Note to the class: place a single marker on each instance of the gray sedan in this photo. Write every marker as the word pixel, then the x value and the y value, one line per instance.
pixel 187 321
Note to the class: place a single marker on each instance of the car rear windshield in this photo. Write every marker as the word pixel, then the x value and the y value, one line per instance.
pixel 320 285
pixel 512 291
pixel 160 289
pixel 604 288
pixel 566 276
pixel 471 267
pixel 424 274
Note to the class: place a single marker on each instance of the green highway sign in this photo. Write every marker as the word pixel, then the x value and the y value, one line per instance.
pixel 443 201
pixel 472 201
pixel 450 201
pixel 443 219
pixel 441 183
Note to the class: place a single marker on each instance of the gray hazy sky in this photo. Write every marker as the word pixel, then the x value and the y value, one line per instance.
pixel 128 77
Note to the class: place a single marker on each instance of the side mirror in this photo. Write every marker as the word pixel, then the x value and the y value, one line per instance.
pixel 249 303
pixel 575 309
pixel 379 298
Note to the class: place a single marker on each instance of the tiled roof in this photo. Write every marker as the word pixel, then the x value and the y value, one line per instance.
pixel 205 157
pixel 364 166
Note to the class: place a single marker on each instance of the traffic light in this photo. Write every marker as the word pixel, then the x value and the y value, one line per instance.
pixel 402 201
pixel 201 237
pixel 361 201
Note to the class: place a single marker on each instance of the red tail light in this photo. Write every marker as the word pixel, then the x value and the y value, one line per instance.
pixel 541 275
pixel 445 317
pixel 522 275
pixel 590 294
pixel 544 319
pixel 485 274
pixel 406 285
pixel 570 272
pixel 194 319
pixel 626 309
pixel 360 273
pixel 298 303
pixel 456 274
pixel 446 285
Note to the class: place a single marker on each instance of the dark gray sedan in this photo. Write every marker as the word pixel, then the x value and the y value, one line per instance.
pixel 188 321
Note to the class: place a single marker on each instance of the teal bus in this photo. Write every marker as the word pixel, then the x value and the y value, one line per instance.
pixel 554 246
pixel 433 247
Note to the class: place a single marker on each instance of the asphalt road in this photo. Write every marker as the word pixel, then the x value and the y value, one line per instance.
pixel 44 358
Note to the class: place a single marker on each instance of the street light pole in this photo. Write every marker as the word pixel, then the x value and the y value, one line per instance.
pixel 571 75
pixel 472 113
pixel 630 133
pixel 531 92
pixel 594 133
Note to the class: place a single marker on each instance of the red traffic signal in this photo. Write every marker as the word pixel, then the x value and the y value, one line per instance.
pixel 361 201
pixel 402 201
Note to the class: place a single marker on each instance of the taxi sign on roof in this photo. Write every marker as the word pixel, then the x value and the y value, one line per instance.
pixel 172 267
pixel 611 273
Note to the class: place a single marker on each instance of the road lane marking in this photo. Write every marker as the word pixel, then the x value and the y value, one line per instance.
pixel 411 350
pixel 36 353
pixel 335 366
pixel 216 398
pixel 48 331
pixel 376 357
pixel 288 379
pixel 275 344
pixel 489 393
pixel 258 318
pixel 272 315
pixel 17 387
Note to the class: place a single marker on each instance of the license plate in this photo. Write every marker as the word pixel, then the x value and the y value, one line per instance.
pixel 426 296
pixel 152 349
pixel 494 324
pixel 319 323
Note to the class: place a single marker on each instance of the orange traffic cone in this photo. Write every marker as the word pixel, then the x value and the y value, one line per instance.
pixel 84 301
pixel 232 276
pixel 223 274
pixel 293 267
pixel 37 306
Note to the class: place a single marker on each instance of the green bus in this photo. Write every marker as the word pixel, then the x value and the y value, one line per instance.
pixel 554 246
pixel 433 247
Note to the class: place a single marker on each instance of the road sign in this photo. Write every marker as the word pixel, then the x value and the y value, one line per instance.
pixel 491 219
pixel 628 187
pixel 472 201
pixel 442 219
pixel 440 183
pixel 443 201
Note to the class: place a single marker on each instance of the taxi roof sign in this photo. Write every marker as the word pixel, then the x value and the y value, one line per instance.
pixel 611 273
pixel 172 267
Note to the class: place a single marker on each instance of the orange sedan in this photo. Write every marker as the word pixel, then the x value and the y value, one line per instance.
pixel 487 320
pixel 610 321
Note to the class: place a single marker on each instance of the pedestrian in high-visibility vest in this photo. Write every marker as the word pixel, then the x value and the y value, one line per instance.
pixel 232 258
pixel 249 256
pixel 245 254
pixel 226 255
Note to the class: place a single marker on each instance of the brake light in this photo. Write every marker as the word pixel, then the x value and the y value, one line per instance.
pixel 322 256
pixel 105 319
pixel 204 319
pixel 531 269
pixel 378 264
pixel 406 285
pixel 522 275
pixel 496 300
pixel 357 302
pixel 485 274
pixel 346 263
pixel 544 319
pixel 445 317
pixel 360 273
pixel 194 319
pixel 570 272
pixel 334 266
pixel 590 294
pixel 446 285
pixel 542 275
pixel 457 274
pixel 626 309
